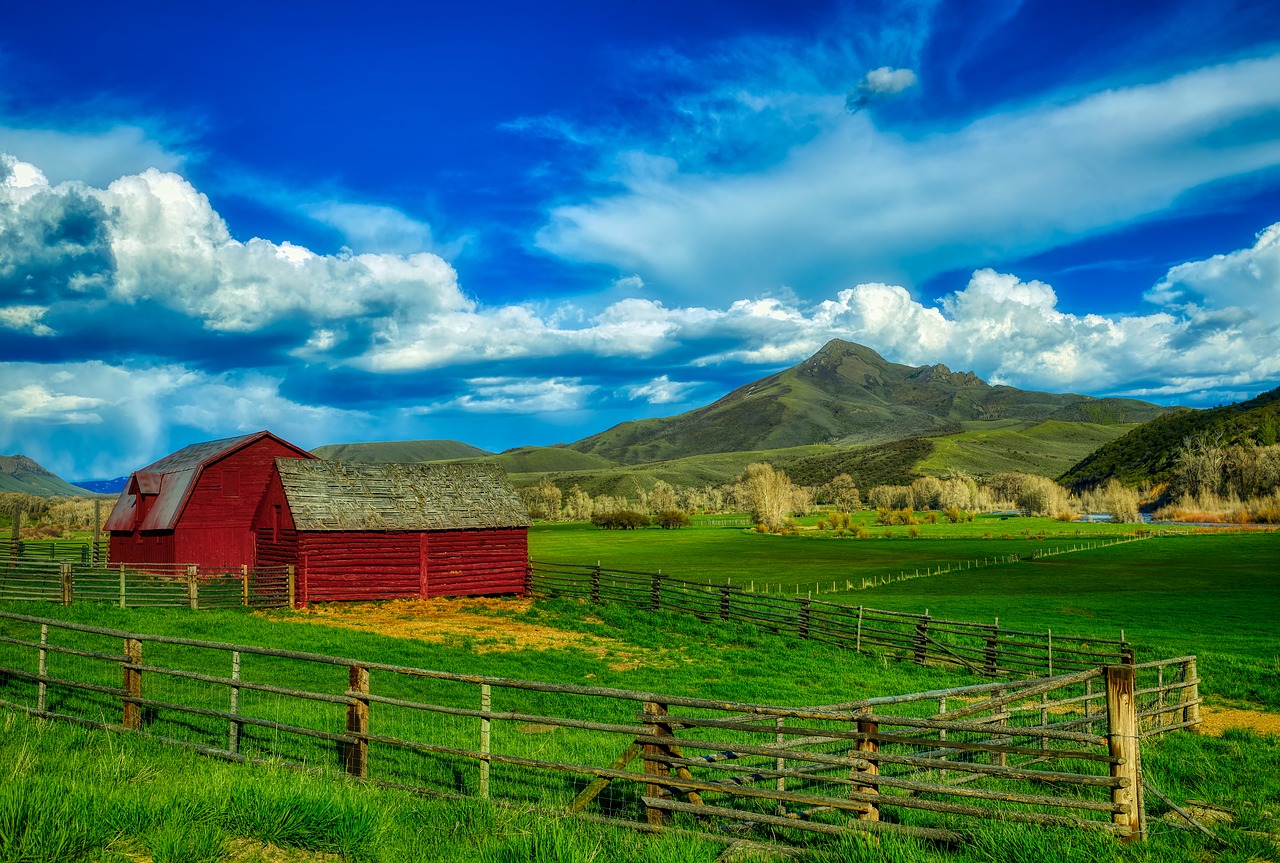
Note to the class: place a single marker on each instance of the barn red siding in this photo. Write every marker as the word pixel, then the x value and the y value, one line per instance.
pixel 358 565
pixel 216 526
pixel 474 562
pixel 141 548
pixel 275 538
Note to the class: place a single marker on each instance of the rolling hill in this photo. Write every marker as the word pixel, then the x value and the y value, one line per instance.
pixel 847 394
pixel 1148 452
pixel 21 474
pixel 400 452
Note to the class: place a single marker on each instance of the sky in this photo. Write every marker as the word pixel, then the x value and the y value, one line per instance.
pixel 512 223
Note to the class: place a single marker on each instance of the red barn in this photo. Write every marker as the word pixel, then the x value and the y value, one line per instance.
pixel 385 531
pixel 198 504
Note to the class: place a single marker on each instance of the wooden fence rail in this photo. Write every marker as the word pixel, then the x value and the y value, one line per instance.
pixel 987 649
pixel 59 549
pixel 1058 751
pixel 146 585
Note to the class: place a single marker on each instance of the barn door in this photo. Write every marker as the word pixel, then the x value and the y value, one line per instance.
pixel 424 589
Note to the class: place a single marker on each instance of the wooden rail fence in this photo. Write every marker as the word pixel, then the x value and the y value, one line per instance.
pixel 987 649
pixel 1058 751
pixel 59 549
pixel 146 585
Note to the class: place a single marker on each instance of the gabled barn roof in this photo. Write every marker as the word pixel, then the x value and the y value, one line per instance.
pixel 331 495
pixel 172 478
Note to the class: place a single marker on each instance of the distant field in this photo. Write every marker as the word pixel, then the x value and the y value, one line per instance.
pixel 1216 595
pixel 1047 448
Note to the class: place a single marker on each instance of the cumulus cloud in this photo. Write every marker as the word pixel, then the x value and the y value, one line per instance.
pixel 1247 277
pixel 661 391
pixel 25 319
pixel 152 237
pixel 856 202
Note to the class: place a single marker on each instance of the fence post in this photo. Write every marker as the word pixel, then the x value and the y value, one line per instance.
pixel 1049 649
pixel 121 585
pixel 132 710
pixel 293 592
pixel 804 618
pixel 857 643
pixel 42 668
pixel 97 530
pixel 655 592
pixel 1191 694
pixel 193 588
pixel 1122 742
pixel 528 577
pixel 780 763
pixel 654 710
pixel 64 573
pixel 868 745
pixel 244 578
pixel 233 730
pixel 595 585
pixel 485 703
pixel 921 642
pixel 724 602
pixel 357 748
pixel 991 656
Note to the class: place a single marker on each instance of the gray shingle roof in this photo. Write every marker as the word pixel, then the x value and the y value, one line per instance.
pixel 334 495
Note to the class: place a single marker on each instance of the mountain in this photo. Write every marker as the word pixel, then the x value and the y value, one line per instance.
pixel 847 394
pixel 20 474
pixel 102 486
pixel 399 452
pixel 1148 452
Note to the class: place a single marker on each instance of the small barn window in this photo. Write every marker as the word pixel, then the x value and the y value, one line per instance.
pixel 275 523
pixel 230 483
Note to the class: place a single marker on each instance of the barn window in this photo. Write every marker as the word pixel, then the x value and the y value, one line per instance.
pixel 275 524
pixel 230 483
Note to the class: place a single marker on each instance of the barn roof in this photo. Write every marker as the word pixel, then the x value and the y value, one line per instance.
pixel 332 495
pixel 171 479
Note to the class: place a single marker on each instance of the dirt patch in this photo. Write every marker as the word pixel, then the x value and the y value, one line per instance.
pixel 1216 720
pixel 490 625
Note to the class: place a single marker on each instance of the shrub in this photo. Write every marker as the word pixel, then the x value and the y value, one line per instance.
pixel 932 517
pixel 863 533
pixel 913 532
pixel 822 524
pixel 671 519
pixel 621 520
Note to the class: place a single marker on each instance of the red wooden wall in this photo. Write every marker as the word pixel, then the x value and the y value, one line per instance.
pixel 475 562
pixel 150 547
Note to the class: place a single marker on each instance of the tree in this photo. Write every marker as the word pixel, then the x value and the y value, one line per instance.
pixel 578 505
pixel 662 498
pixel 766 493
pixel 842 493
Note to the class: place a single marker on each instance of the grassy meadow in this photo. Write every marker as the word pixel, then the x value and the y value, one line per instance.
pixel 71 794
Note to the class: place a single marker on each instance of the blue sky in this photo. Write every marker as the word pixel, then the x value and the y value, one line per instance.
pixel 512 223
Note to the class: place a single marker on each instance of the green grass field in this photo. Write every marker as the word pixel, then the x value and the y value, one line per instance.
pixel 68 794
pixel 1047 448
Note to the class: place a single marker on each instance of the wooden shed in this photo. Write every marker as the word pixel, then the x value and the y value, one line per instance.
pixel 198 504
pixel 385 531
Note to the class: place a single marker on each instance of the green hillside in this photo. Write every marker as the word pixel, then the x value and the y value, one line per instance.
pixel 847 394
pixel 1148 452
pixel 1047 448
pixel 543 459
pixel 20 474
pixel 399 452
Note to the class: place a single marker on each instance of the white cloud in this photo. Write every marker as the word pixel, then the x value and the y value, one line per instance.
pixel 1248 277
pixel 516 396
pixel 25 319
pixel 887 81
pixel 661 390
pixel 858 202
pixel 374 227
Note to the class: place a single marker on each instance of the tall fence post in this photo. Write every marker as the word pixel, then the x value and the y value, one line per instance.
pixel 357 748
pixel 233 729
pixel 42 668
pixel 1191 694
pixel 922 640
pixel 94 554
pixel 293 587
pixel 655 592
pixel 244 584
pixel 804 618
pixel 528 577
pixel 867 745
pixel 193 587
pixel 64 576
pixel 595 585
pixel 857 642
pixel 724 602
pixel 653 711
pixel 1122 742
pixel 122 601
pixel 485 730
pixel 132 710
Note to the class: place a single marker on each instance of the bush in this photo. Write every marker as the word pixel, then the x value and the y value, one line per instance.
pixel 621 520
pixel 671 519
pixel 913 532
